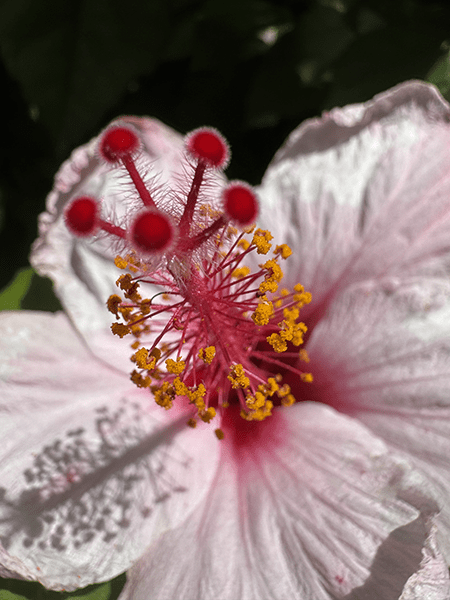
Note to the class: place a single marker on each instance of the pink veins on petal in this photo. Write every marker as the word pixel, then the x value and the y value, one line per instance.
pixel 218 336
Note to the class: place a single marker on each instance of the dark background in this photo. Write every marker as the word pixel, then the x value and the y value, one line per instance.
pixel 252 68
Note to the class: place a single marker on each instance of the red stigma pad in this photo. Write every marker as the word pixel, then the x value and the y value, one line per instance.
pixel 152 232
pixel 118 142
pixel 81 216
pixel 208 145
pixel 240 203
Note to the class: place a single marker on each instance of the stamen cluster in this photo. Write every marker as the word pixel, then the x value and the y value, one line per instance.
pixel 213 335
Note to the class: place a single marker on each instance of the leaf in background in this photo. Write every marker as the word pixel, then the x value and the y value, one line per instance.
pixel 11 297
pixel 74 59
pixel 439 75
pixel 12 589
pixel 381 59
pixel 40 295
pixel 5 595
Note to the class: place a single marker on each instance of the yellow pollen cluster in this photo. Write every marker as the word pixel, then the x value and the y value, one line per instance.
pixel 240 272
pixel 207 354
pixel 142 381
pixel 244 244
pixel 133 312
pixel 301 297
pixel 120 329
pixel 273 276
pixel 284 393
pixel 259 406
pixel 238 378
pixel 263 312
pixel 261 239
pixel 283 250
pixel 175 367
pixel 290 331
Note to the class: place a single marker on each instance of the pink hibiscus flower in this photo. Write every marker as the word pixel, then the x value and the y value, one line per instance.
pixel 267 467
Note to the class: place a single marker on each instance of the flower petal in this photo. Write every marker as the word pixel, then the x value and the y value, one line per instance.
pixel 91 470
pixel 83 270
pixel 364 192
pixel 327 515
pixel 383 356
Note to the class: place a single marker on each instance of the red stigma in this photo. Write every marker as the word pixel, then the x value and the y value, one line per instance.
pixel 118 143
pixel 82 216
pixel 240 203
pixel 152 232
pixel 208 145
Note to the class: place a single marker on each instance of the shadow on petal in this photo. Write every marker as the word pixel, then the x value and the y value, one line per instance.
pixel 86 487
pixel 398 557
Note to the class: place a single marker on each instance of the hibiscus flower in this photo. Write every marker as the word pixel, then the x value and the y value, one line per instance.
pixel 268 445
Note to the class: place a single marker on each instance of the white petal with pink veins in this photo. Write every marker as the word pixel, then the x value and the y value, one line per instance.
pixel 383 355
pixel 91 470
pixel 328 514
pixel 364 192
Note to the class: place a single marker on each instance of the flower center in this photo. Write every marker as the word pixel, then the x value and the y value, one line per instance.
pixel 216 335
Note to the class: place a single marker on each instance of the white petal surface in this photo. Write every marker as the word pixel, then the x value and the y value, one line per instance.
pixel 91 470
pixel 324 513
pixel 83 270
pixel 364 192
pixel 383 355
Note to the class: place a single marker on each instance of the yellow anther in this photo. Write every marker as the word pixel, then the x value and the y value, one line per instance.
pixel 263 312
pixel 238 378
pixel 139 380
pixel 164 395
pixel 219 434
pixel 288 400
pixel 207 415
pixel 275 272
pixel 273 386
pixel 244 244
pixel 125 282
pixel 113 304
pixel 303 355
pixel 207 354
pixel 303 299
pixel 140 358
pixel 196 395
pixel 277 342
pixel 261 239
pixel 231 231
pixel 175 367
pixel 260 414
pixel 291 314
pixel 180 388
pixel 297 333
pixel 120 262
pixel 240 272
pixel 256 401
pixel 120 329
pixel 192 423
pixel 269 285
pixel 283 250
pixel 306 377
pixel 156 352
pixel 126 312
pixel 284 390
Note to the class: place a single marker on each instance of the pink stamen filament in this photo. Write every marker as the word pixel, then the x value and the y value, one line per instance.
pixel 112 229
pixel 188 213
pixel 139 184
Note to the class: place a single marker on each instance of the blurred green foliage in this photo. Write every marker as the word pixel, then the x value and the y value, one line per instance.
pixel 252 68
